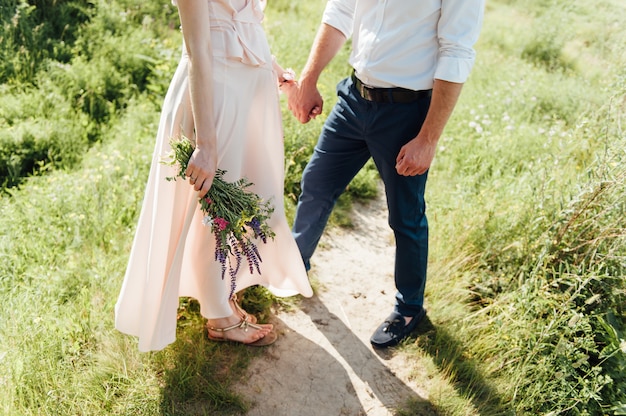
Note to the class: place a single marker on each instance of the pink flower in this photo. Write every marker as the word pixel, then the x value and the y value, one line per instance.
pixel 221 223
pixel 208 200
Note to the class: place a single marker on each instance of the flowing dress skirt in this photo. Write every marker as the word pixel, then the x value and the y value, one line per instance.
pixel 173 253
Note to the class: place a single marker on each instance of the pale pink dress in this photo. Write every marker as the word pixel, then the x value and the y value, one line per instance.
pixel 173 253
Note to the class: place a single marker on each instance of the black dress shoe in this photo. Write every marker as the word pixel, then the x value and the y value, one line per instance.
pixel 394 329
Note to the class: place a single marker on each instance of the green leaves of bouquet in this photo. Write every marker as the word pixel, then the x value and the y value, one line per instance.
pixel 236 215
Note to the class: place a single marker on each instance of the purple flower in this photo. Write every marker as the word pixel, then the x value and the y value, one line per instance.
pixel 255 224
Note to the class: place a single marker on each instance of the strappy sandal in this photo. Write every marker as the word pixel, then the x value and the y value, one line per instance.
pixel 268 339
pixel 244 315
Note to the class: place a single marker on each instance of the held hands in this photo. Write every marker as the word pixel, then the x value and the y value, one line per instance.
pixel 304 100
pixel 201 169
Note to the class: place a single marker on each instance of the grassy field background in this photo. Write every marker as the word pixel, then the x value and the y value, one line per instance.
pixel 527 204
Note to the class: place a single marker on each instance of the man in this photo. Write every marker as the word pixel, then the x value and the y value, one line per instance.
pixel 410 61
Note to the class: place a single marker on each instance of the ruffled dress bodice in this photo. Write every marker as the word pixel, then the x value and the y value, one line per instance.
pixel 236 31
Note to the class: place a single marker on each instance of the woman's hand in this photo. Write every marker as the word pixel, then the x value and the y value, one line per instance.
pixel 201 170
pixel 288 87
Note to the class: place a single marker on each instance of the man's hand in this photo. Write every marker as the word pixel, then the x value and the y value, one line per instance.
pixel 415 157
pixel 304 101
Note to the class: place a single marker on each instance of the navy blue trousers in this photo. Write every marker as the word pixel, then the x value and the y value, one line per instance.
pixel 356 130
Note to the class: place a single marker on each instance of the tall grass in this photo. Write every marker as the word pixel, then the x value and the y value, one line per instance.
pixel 526 201
pixel 70 68
pixel 528 193
pixel 34 32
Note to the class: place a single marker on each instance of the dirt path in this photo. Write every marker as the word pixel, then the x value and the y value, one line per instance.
pixel 323 363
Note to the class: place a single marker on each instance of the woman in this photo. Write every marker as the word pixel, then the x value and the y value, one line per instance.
pixel 224 95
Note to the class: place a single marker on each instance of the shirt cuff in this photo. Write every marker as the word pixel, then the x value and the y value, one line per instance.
pixel 453 69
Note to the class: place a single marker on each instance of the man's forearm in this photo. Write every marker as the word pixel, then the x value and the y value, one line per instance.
pixel 306 103
pixel 326 45
pixel 444 99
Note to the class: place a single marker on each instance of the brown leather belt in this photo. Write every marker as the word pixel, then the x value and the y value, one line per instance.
pixel 388 95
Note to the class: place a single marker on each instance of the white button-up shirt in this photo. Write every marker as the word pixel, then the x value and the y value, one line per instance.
pixel 408 43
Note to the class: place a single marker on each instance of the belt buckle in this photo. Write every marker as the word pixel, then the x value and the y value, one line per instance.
pixel 363 91
pixel 366 92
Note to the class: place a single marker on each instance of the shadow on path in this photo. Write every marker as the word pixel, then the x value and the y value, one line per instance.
pixel 298 376
pixel 385 386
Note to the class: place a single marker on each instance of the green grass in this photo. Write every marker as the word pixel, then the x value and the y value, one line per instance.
pixel 526 199
pixel 64 252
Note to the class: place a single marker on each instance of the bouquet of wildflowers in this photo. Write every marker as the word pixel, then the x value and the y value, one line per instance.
pixel 236 215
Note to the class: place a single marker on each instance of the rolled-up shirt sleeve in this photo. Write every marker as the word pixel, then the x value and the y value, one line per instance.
pixel 458 30
pixel 340 15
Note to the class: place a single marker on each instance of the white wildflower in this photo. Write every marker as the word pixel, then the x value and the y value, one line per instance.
pixel 207 221
pixel 476 126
